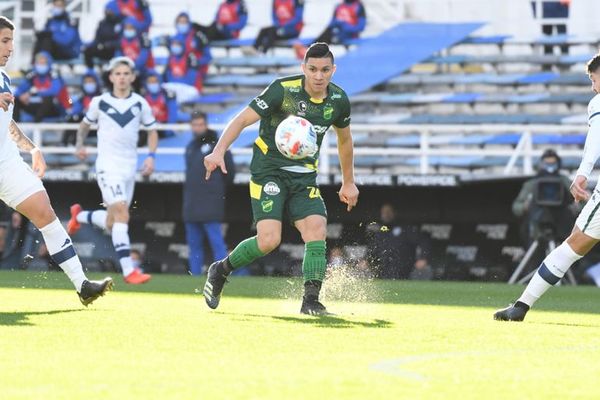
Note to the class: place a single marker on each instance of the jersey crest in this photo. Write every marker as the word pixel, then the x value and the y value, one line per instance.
pixel 120 118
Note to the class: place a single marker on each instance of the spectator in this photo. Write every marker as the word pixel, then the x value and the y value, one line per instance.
pixel 184 68
pixel 108 35
pixel 204 200
pixel 547 12
pixel 42 94
pixel 161 101
pixel 194 40
pixel 348 21
pixel 231 18
pixel 394 249
pixel 336 257
pixel 60 36
pixel 138 10
pixel 287 24
pixel 136 47
pixel 90 87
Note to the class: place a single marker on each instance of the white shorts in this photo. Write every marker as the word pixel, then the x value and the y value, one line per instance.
pixel 588 220
pixel 115 188
pixel 17 182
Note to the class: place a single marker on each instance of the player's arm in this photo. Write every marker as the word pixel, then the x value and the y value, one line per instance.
pixel 232 131
pixel 38 164
pixel 348 192
pixel 82 132
pixel 591 153
pixel 148 166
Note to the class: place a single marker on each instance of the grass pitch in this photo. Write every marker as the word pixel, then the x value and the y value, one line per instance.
pixel 392 340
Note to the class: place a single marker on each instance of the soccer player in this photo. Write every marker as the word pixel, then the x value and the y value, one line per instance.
pixel 118 114
pixel 22 189
pixel 586 232
pixel 280 186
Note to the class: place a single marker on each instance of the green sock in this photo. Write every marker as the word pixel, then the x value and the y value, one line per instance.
pixel 245 252
pixel 314 263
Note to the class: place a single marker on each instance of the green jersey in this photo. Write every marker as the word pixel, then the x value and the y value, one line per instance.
pixel 282 98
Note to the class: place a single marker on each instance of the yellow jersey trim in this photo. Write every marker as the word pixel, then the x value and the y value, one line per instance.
pixel 294 83
pixel 261 145
pixel 255 190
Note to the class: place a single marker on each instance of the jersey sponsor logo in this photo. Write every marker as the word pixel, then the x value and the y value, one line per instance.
pixel 267 205
pixel 120 118
pixel 271 189
pixel 260 103
pixel 327 111
pixel 336 96
pixel 320 129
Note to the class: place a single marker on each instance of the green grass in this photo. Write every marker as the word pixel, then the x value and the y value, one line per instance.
pixel 394 340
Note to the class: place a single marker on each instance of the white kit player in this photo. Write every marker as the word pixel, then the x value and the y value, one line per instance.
pixel 586 232
pixel 22 189
pixel 119 115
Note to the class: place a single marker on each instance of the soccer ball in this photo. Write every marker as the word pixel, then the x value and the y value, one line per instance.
pixel 296 138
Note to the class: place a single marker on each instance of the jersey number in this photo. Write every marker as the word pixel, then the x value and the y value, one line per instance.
pixel 116 190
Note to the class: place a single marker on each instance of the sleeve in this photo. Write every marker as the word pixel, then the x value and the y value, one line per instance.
pixel 242 20
pixel 91 116
pixel 360 24
pixel 343 119
pixel 24 87
pixel 171 108
pixel 148 119
pixel 269 100
pixel 591 151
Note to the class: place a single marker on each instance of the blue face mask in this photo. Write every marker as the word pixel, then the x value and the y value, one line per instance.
pixel 89 87
pixel 129 33
pixel 41 69
pixel 176 49
pixel 182 28
pixel 153 88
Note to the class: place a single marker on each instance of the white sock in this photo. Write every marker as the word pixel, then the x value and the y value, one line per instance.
pixel 61 249
pixel 96 217
pixel 120 239
pixel 553 268
pixel 594 273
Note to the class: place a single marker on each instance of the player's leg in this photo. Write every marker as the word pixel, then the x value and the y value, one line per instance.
pixel 584 236
pixel 117 193
pixel 267 197
pixel 195 240
pixel 24 192
pixel 307 209
pixel 80 216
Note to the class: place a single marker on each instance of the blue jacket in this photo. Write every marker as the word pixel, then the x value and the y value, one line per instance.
pixel 137 9
pixel 204 200
pixel 64 33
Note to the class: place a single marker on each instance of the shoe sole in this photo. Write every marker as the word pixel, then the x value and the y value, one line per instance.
pixel 499 317
pixel 90 300
pixel 138 282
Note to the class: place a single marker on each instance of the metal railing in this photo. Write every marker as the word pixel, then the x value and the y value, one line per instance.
pixel 524 149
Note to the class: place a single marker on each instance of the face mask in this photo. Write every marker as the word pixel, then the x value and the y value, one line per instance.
pixel 176 49
pixel 549 167
pixel 56 12
pixel 129 33
pixel 182 28
pixel 41 69
pixel 153 87
pixel 89 87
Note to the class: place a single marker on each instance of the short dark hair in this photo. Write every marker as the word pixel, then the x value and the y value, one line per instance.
pixel 319 50
pixel 6 23
pixel 593 64
pixel 198 115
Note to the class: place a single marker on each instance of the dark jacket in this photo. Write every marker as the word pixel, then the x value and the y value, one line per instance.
pixel 204 200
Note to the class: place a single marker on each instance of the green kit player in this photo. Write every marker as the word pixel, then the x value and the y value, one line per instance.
pixel 281 187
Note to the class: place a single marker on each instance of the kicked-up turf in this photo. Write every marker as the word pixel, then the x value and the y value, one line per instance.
pixel 389 340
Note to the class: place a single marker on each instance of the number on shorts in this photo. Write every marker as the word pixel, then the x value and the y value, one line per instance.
pixel 315 192
pixel 116 190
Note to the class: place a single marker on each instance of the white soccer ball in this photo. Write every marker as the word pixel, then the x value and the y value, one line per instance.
pixel 296 138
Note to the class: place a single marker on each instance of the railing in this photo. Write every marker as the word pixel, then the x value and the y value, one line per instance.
pixel 524 149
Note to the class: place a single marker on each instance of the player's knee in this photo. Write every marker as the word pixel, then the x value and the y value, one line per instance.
pixel 317 231
pixel 268 242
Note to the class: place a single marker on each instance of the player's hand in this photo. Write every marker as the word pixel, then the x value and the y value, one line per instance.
pixel 81 153
pixel 6 99
pixel 579 189
pixel 38 164
pixel 214 161
pixel 349 194
pixel 148 166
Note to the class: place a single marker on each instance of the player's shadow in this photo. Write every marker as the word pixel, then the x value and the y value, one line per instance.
pixel 329 321
pixel 22 317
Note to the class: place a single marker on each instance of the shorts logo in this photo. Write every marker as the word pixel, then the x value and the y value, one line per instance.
pixel 271 189
pixel 267 205
pixel 328 111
